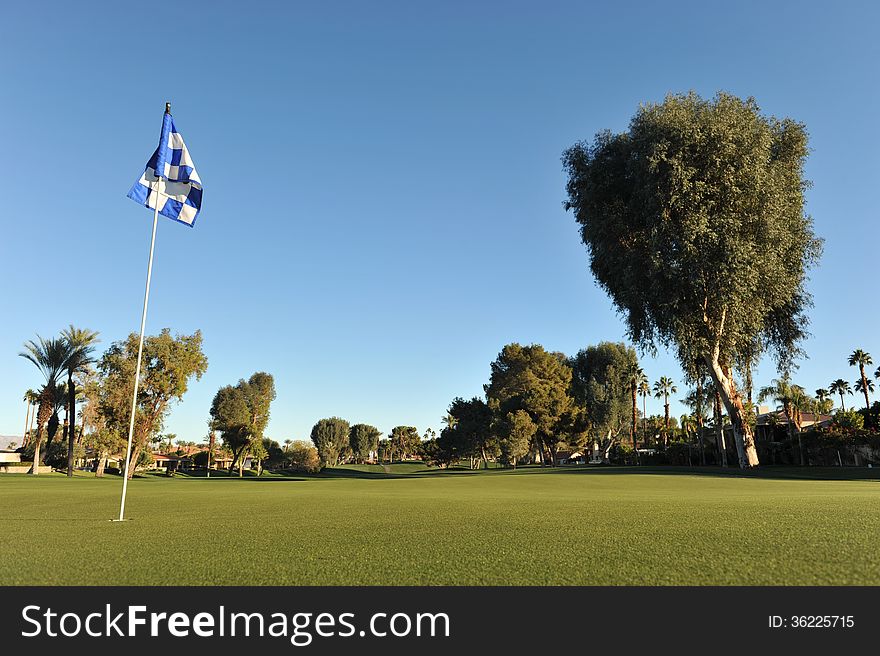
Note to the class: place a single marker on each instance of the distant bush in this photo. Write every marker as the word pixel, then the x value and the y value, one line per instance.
pixel 848 420
pixel 302 456
pixel 622 454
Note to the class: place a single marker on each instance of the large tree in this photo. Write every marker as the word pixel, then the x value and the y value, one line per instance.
pixel 472 431
pixel 363 439
pixel 861 359
pixel 405 441
pixel 330 437
pixel 604 382
pixel 694 223
pixel 241 413
pixel 516 431
pixel 662 389
pixel 168 364
pixel 841 387
pixel 531 379
pixel 50 357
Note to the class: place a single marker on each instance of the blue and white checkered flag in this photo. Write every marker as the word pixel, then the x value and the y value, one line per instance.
pixel 177 189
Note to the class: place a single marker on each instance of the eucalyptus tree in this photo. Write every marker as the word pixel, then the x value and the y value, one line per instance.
pixel 330 437
pixel 662 389
pixel 861 359
pixel 241 413
pixel 363 439
pixel 718 423
pixel 168 364
pixel 603 383
pixel 841 387
pixel 704 199
pixel 49 356
pixel 81 345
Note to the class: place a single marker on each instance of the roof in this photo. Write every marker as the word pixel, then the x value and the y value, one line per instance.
pixel 779 417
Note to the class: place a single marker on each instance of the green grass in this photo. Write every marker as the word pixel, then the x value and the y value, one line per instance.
pixel 363 526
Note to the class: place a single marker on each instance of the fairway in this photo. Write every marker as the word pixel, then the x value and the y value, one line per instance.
pixel 529 527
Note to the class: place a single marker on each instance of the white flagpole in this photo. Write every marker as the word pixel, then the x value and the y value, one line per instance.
pixel 137 374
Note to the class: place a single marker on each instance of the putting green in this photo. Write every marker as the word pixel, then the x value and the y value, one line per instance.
pixel 363 526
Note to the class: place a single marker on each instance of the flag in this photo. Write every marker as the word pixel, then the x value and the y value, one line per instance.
pixel 179 192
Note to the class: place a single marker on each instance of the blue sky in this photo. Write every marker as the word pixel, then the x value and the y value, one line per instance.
pixel 383 186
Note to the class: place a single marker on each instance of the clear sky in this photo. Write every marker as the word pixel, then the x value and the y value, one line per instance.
pixel 383 186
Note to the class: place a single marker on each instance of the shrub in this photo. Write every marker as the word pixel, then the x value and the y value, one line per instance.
pixel 302 456
pixel 848 420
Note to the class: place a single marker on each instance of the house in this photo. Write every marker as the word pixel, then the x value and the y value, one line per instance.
pixel 8 457
pixel 773 425
pixel 162 462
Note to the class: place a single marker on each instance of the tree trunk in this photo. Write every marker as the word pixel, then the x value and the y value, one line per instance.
pixel 552 451
pixel 82 430
pixel 42 415
pixel 635 414
pixel 748 382
pixel 52 428
pixel 27 420
pixel 35 465
pixel 133 457
pixel 742 433
pixel 719 430
pixel 794 428
pixel 71 414
pixel 665 421
pixel 702 443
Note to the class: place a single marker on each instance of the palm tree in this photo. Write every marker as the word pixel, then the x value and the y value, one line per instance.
pixel 696 401
pixel 689 426
pixel 824 404
pixel 644 390
pixel 663 388
pixel 81 344
pixel 862 359
pixel 31 398
pixel 633 375
pixel 49 356
pixel 866 385
pixel 840 386
pixel 791 398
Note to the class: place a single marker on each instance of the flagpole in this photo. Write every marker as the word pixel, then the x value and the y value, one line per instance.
pixel 137 373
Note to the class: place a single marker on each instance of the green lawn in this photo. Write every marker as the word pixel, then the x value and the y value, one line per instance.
pixel 364 526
